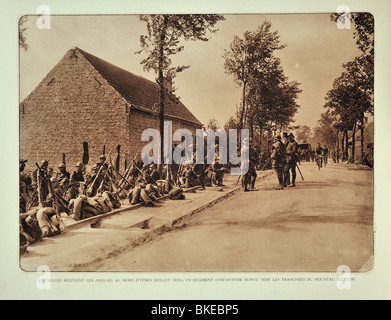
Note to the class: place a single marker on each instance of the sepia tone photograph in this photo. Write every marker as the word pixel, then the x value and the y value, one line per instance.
pixel 196 142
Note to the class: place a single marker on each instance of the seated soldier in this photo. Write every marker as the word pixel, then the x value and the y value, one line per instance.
pixel 84 207
pixel 217 173
pixel 77 175
pixel 63 173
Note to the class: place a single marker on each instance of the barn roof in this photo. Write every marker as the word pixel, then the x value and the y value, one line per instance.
pixel 141 93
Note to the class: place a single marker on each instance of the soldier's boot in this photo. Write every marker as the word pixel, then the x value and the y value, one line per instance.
pixel 293 181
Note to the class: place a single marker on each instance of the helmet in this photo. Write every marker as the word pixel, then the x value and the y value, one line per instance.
pixel 61 165
pixel 44 163
pixel 102 157
pixel 78 165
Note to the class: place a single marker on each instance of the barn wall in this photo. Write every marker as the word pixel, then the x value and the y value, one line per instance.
pixel 75 104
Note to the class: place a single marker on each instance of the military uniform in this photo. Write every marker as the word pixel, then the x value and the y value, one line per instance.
pixel 278 161
pixel 251 176
pixel 63 173
pixel 217 173
pixel 291 159
pixel 318 153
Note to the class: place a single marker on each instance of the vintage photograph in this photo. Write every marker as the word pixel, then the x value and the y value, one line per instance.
pixel 196 142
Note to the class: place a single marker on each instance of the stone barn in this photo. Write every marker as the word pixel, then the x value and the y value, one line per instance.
pixel 85 105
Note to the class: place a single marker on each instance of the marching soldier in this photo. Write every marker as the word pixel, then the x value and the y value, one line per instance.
pixel 291 160
pixel 318 154
pixel 278 161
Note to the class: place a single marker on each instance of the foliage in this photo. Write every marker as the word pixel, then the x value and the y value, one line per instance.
pixel 22 31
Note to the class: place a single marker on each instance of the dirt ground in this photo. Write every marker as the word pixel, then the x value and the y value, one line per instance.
pixel 325 222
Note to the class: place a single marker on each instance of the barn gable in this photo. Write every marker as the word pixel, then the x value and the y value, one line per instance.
pixel 139 92
pixel 81 101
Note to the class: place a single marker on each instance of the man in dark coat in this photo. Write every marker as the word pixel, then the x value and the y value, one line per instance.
pixel 291 160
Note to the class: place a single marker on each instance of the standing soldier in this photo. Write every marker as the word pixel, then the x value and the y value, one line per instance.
pixel 291 160
pixel 325 155
pixel 287 178
pixel 278 161
pixel 318 154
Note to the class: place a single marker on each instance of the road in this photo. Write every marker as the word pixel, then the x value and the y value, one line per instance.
pixel 325 222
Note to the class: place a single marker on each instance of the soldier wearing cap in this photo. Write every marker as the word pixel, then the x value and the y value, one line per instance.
pixel 77 175
pixel 102 161
pixel 291 160
pixel 63 173
pixel 278 161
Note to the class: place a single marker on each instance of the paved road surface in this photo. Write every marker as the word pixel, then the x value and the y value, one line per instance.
pixel 325 222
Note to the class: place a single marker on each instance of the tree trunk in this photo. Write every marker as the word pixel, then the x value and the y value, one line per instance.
pixel 362 137
pixel 354 141
pixel 242 114
pixel 161 94
pixel 346 145
pixel 251 129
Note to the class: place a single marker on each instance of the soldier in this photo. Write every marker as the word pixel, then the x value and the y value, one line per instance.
pixel 139 193
pixel 246 178
pixel 63 173
pixel 253 157
pixel 199 171
pixel 325 155
pixel 318 154
pixel 155 175
pixel 217 173
pixel 94 180
pixel 287 178
pixel 291 160
pixel 102 161
pixel 278 161
pixel 38 178
pixel 77 175
pixel 70 191
pixel 24 186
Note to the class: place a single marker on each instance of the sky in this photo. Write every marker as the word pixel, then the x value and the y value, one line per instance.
pixel 315 52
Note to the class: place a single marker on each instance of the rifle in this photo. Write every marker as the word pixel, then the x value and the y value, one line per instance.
pixel 128 170
pixel 299 170
pixel 97 175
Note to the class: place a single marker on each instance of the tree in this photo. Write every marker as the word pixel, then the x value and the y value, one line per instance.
pixel 162 40
pixel 212 124
pixel 325 131
pixel 356 84
pixel 303 133
pixel 249 56
pixel 22 38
